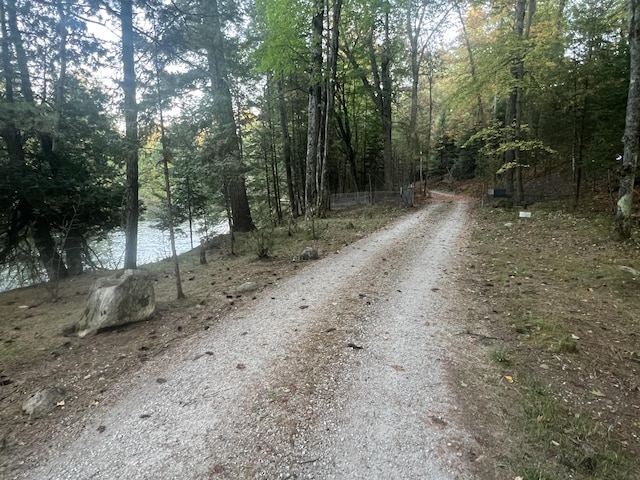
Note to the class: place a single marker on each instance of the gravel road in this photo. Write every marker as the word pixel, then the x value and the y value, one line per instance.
pixel 338 372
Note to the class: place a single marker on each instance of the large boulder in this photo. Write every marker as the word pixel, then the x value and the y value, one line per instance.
pixel 309 253
pixel 117 300
pixel 247 287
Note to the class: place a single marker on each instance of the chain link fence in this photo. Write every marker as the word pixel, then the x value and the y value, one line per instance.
pixel 338 201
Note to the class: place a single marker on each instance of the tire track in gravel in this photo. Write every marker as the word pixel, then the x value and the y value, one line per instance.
pixel 274 391
pixel 392 415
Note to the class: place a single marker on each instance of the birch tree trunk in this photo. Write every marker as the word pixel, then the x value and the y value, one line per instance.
pixel 622 227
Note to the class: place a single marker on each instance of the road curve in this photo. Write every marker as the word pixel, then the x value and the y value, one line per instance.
pixel 337 372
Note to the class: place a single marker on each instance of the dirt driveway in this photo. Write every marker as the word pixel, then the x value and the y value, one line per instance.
pixel 338 372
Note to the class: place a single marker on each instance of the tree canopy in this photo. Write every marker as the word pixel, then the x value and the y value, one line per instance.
pixel 263 109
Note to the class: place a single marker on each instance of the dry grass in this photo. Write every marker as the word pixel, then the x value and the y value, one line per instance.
pixel 550 291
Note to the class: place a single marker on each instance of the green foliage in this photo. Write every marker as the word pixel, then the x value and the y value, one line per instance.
pixel 263 242
pixel 565 344
pixel 78 186
pixel 283 25
pixel 573 90
pixel 152 188
pixel 445 155
pixel 455 158
pixel 195 177
pixel 490 143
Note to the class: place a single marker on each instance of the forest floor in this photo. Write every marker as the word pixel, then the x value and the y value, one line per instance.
pixel 35 353
pixel 544 364
pixel 556 302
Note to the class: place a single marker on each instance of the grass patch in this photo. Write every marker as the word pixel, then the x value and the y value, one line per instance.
pixel 501 357
pixel 566 344
pixel 548 334
pixel 559 442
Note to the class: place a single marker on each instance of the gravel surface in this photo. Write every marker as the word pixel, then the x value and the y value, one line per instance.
pixel 338 372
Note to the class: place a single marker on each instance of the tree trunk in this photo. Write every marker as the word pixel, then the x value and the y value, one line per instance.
pixel 7 67
pixel 226 139
pixel 472 63
pixel 514 108
pixel 277 194
pixel 49 255
pixel 315 100
pixel 13 141
pixel 189 210
pixel 131 134
pixel 166 155
pixel 74 238
pixel 519 187
pixel 344 128
pixel 73 248
pixel 509 155
pixel 267 177
pixel 239 204
pixel 203 253
pixel 419 43
pixel 273 164
pixel 386 110
pixel 622 228
pixel 380 91
pixel 172 234
pixel 299 159
pixel 330 99
pixel 414 147
pixel 21 56
pixel 579 120
pixel 320 161
pixel 286 147
pixel 39 225
pixel 427 142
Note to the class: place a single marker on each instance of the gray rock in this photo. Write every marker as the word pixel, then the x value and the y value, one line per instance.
pixel 309 253
pixel 247 287
pixel 43 401
pixel 117 300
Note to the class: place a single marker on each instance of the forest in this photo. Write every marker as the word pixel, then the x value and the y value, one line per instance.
pixel 257 111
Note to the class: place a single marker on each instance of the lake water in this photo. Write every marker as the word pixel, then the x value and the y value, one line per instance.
pixel 153 246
